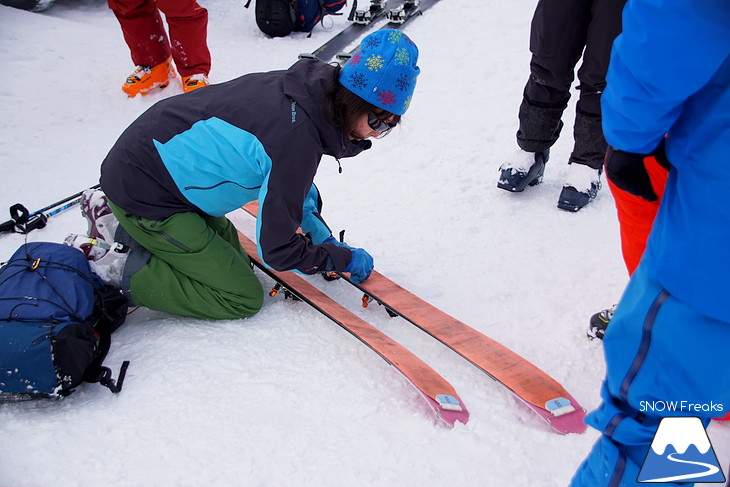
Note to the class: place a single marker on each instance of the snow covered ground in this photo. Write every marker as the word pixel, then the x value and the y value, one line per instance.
pixel 287 398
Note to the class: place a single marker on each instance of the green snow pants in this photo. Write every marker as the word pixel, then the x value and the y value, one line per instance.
pixel 195 267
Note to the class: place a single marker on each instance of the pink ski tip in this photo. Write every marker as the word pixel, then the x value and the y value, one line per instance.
pixel 449 409
pixel 564 415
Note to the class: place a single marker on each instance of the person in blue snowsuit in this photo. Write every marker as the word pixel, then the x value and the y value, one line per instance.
pixel 669 75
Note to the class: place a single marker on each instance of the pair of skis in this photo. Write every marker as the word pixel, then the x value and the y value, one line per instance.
pixel 540 392
pixel 438 393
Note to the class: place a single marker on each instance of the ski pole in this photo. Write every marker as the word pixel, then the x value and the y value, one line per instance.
pixel 59 203
pixel 22 221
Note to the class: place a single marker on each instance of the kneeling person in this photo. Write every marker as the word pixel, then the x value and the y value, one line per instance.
pixel 186 162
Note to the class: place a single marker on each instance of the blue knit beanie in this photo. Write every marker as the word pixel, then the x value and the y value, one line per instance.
pixel 383 71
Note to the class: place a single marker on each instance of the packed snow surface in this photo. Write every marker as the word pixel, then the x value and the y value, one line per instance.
pixel 287 398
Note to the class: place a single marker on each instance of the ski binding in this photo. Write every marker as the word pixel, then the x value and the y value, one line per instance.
pixel 400 14
pixel 365 16
pixel 343 57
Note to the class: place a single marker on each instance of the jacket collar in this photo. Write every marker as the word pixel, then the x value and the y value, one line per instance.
pixel 307 83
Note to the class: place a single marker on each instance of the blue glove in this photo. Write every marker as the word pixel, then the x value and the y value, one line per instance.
pixel 360 266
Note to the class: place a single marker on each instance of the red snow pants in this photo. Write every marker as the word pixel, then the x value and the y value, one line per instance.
pixel 148 42
pixel 636 215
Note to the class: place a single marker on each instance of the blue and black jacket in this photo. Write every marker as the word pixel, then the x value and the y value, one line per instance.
pixel 258 137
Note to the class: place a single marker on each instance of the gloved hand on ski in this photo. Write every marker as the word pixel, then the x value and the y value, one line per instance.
pixel 361 263
pixel 360 266
pixel 627 171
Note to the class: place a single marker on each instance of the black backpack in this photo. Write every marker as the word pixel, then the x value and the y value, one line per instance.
pixel 56 321
pixel 278 18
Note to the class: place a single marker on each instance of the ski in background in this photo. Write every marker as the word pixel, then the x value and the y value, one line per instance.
pixel 397 18
pixel 438 393
pixel 365 20
pixel 540 392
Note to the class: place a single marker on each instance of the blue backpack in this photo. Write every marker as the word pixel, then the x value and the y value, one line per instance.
pixel 310 12
pixel 56 321
pixel 278 18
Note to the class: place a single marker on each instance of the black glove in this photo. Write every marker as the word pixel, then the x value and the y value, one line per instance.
pixel 626 170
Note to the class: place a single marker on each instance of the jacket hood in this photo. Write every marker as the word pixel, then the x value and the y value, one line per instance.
pixel 308 82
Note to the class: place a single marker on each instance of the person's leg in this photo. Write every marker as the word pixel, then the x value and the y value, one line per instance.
pixel 636 215
pixel 188 25
pixel 658 350
pixel 557 37
pixel 605 25
pixel 196 267
pixel 143 31
pixel 589 148
pixel 148 44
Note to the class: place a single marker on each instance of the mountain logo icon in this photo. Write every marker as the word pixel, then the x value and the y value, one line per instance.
pixel 681 452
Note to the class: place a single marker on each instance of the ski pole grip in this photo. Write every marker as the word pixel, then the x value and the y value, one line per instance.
pixel 8 226
pixel 35 222
pixel 19 214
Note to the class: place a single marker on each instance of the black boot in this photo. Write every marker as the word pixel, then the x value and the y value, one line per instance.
pixel 599 323
pixel 580 187
pixel 516 175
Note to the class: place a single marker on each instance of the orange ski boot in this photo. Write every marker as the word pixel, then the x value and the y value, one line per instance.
pixel 193 82
pixel 147 78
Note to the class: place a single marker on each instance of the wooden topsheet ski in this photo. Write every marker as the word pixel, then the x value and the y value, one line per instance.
pixel 540 391
pixel 440 394
pixel 543 394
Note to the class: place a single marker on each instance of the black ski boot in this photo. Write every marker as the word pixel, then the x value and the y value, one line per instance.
pixel 599 323
pixel 581 187
pixel 525 170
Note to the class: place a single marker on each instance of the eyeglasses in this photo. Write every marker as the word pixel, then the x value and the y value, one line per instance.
pixel 379 125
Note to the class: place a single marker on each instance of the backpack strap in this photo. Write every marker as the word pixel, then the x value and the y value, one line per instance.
pixel 104 377
pixel 110 311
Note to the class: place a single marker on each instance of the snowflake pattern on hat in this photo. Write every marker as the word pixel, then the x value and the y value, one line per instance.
pixel 401 56
pixel 395 36
pixel 387 98
pixel 403 82
pixel 358 80
pixel 356 58
pixel 371 42
pixel 375 62
pixel 407 103
pixel 383 70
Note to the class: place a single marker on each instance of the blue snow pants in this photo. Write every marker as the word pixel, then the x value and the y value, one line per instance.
pixel 657 351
